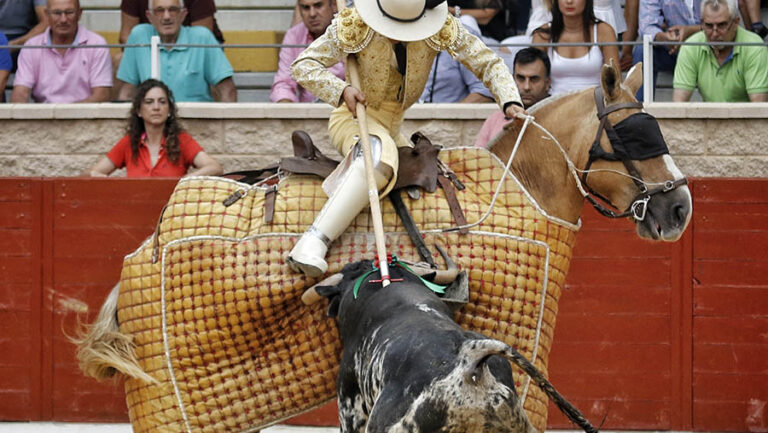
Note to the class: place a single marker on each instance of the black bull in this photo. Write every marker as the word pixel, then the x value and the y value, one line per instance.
pixel 408 367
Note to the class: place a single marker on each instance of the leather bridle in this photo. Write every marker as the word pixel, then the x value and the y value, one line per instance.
pixel 637 209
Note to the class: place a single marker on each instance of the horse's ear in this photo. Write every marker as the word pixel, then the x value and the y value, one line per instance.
pixel 634 78
pixel 610 79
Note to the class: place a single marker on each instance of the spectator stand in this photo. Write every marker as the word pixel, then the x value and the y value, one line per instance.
pixel 241 21
pixel 263 22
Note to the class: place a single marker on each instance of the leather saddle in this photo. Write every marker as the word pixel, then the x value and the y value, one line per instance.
pixel 419 166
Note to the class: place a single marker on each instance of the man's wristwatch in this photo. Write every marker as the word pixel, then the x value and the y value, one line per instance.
pixel 457 11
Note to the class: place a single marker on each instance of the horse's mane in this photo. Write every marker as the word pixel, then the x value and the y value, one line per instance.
pixel 550 99
pixel 539 106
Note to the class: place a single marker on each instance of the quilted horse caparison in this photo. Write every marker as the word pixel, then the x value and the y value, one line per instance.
pixel 216 314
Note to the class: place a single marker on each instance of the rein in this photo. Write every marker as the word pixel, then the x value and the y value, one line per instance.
pixel 528 120
pixel 639 206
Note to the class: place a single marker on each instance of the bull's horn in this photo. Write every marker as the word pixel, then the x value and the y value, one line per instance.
pixel 442 276
pixel 311 296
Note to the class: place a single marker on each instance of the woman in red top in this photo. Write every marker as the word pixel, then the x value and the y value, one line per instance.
pixel 155 144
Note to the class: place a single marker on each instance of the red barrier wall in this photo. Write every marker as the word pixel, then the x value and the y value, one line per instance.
pixel 649 336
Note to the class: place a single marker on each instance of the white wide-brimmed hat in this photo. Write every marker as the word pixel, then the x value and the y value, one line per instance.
pixel 403 20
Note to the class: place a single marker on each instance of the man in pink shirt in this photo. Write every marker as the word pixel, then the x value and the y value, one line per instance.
pixel 63 75
pixel 316 16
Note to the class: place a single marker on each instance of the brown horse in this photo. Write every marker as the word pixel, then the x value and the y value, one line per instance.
pixel 549 171
pixel 557 166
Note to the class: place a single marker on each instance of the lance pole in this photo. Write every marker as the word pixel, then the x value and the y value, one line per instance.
pixel 373 190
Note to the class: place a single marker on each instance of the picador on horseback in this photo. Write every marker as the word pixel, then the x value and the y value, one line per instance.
pixel 395 42
pixel 208 324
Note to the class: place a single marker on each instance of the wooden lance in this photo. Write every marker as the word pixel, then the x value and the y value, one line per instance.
pixel 373 190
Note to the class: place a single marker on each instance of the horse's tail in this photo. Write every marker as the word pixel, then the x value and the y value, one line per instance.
pixel 480 350
pixel 103 351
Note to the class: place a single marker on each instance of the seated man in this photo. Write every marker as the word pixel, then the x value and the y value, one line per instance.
pixel 723 73
pixel 531 71
pixel 199 13
pixel 450 81
pixel 20 20
pixel 63 75
pixel 316 16
pixel 133 12
pixel 665 21
pixel 189 71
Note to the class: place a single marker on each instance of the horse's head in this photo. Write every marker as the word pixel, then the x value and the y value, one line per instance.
pixel 628 164
pixel 619 158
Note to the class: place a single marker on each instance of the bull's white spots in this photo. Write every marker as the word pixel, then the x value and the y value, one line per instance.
pixel 368 366
pixel 424 308
pixel 352 413
pixel 484 404
pixel 427 309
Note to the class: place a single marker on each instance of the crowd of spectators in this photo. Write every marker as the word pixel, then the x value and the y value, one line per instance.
pixel 729 73
pixel 207 75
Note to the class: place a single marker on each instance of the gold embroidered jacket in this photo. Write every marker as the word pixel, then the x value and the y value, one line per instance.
pixel 379 78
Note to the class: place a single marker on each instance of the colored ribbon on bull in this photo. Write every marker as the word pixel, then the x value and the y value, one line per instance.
pixel 394 261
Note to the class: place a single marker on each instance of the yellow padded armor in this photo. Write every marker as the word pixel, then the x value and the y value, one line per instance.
pixel 218 321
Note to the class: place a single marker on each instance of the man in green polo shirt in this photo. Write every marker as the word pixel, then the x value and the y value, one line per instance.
pixel 723 73
pixel 190 72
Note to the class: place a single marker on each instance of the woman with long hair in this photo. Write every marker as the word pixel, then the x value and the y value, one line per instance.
pixel 155 145
pixel 576 67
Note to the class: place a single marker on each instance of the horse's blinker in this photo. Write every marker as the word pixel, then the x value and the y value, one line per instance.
pixel 636 138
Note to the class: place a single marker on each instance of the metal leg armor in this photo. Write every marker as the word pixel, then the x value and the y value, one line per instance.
pixel 342 207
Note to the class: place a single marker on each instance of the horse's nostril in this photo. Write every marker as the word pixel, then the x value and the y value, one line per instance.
pixel 681 214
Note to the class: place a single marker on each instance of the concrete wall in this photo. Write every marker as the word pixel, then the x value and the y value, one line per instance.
pixel 707 140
